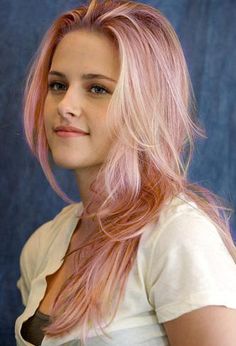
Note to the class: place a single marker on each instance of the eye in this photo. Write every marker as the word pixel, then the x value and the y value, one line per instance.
pixel 99 88
pixel 56 86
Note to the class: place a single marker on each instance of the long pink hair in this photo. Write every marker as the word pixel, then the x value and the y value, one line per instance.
pixel 151 117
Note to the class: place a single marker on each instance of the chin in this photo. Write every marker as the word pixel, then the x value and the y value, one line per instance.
pixel 67 164
pixel 71 164
pixel 64 161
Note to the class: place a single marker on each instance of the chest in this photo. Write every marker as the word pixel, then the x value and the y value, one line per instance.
pixel 56 281
pixel 54 285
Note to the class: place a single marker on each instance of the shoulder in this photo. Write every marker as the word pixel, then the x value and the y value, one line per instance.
pixel 40 240
pixel 181 223
pixel 46 231
pixel 187 263
pixel 36 247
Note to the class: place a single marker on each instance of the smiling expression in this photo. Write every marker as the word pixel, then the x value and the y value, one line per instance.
pixel 81 80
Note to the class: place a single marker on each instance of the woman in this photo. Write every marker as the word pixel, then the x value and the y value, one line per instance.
pixel 146 258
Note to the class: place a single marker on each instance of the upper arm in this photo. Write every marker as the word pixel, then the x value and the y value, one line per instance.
pixel 29 260
pixel 192 283
pixel 34 251
pixel 191 268
pixel 207 326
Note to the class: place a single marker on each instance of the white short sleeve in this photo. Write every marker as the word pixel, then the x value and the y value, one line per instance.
pixel 190 267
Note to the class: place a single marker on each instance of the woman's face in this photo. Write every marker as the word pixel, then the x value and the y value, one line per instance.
pixel 78 100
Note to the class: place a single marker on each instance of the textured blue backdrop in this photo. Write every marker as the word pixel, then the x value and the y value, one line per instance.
pixel 207 31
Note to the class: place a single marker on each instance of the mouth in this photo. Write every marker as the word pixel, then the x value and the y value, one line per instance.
pixel 69 131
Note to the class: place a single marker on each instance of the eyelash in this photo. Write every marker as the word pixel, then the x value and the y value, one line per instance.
pixel 52 84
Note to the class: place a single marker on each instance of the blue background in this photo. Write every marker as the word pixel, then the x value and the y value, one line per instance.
pixel 207 32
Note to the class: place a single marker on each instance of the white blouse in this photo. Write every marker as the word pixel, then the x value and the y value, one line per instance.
pixel 182 264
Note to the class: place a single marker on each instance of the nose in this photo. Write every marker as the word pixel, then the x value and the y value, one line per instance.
pixel 69 105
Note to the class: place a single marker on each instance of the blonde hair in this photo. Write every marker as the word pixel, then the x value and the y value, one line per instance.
pixel 151 116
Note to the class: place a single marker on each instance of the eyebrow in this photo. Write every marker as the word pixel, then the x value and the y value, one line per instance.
pixel 86 76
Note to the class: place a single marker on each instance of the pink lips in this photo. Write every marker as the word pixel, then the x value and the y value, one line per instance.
pixel 69 131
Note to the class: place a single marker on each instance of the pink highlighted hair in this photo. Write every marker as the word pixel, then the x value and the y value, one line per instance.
pixel 151 118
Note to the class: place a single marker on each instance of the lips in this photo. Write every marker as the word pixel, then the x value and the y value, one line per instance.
pixel 69 131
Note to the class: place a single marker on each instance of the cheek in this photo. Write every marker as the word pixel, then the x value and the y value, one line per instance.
pixel 46 124
pixel 47 113
pixel 100 138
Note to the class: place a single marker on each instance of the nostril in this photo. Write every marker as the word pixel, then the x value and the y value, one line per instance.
pixel 66 114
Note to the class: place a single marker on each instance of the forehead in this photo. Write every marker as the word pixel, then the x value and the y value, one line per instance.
pixel 87 51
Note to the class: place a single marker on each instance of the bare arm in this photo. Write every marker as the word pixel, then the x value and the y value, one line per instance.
pixel 207 326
